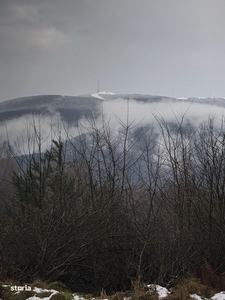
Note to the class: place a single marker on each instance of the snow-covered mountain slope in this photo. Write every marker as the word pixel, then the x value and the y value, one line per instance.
pixel 102 95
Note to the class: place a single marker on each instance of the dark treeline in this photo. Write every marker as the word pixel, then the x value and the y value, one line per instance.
pixel 126 206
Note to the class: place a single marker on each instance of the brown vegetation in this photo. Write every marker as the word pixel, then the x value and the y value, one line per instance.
pixel 124 208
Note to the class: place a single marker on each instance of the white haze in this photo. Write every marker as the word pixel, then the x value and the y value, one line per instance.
pixel 20 134
pixel 145 113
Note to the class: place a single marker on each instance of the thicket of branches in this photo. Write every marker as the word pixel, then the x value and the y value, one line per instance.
pixel 108 208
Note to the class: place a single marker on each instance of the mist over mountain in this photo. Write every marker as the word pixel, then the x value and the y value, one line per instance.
pixel 54 112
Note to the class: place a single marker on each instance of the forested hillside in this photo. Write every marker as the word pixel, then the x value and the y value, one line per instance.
pixel 126 207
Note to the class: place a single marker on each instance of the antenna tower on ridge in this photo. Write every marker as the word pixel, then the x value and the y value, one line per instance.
pixel 98 87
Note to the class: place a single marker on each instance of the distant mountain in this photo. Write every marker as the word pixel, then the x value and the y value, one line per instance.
pixel 72 109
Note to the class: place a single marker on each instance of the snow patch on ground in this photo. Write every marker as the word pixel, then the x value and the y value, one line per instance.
pixel 152 289
pixel 196 297
pixel 219 296
pixel 75 297
pixel 161 291
pixel 39 291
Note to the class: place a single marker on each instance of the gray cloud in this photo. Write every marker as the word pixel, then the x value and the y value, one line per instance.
pixel 157 47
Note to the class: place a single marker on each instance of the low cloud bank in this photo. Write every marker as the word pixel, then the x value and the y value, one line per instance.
pixel 20 131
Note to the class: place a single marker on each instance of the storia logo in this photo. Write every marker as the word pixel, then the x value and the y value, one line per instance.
pixel 20 288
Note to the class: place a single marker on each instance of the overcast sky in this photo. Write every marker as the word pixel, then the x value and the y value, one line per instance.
pixel 160 47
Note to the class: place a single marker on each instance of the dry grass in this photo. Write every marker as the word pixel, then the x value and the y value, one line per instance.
pixel 141 295
pixel 139 292
pixel 210 278
pixel 189 286
pixel 39 284
pixel 118 296
pixel 87 296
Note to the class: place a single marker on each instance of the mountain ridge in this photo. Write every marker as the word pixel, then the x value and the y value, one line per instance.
pixel 72 108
